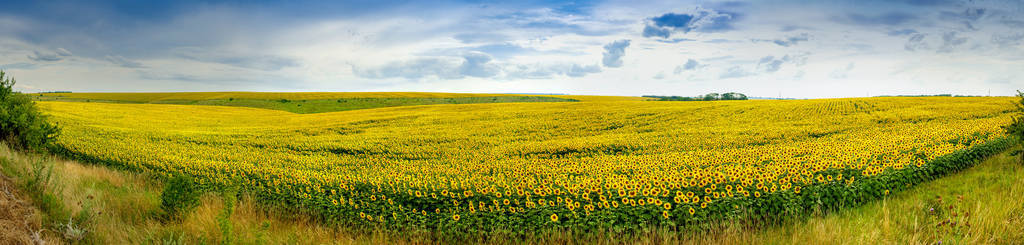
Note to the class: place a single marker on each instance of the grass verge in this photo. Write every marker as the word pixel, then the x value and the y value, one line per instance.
pixel 980 205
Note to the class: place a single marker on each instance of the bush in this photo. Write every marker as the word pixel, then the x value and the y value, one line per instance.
pixel 1016 128
pixel 230 197
pixel 179 197
pixel 21 124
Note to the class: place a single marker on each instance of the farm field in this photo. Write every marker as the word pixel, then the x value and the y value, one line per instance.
pixel 314 102
pixel 610 165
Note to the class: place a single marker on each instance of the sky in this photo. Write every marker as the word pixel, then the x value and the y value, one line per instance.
pixel 796 49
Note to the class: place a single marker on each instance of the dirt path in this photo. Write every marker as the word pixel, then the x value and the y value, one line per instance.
pixel 20 222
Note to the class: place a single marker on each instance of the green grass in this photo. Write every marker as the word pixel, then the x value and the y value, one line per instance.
pixel 992 193
pixel 327 105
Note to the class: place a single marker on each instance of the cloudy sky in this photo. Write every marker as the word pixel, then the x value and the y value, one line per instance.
pixel 802 49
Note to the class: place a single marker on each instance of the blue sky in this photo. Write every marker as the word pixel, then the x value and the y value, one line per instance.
pixel 803 49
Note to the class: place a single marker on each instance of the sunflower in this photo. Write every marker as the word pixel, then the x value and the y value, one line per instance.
pixel 554 217
pixel 456 217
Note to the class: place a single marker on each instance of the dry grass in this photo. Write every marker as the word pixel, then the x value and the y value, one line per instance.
pixel 125 206
pixel 20 221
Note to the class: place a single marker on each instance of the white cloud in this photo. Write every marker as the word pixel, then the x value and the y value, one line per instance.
pixel 523 47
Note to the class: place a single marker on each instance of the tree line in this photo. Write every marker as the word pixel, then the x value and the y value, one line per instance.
pixel 706 97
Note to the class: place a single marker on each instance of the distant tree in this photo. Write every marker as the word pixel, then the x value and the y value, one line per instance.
pixel 21 124
pixel 712 96
pixel 734 96
pixel 707 97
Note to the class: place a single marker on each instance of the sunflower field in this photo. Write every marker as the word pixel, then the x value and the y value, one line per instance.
pixel 602 164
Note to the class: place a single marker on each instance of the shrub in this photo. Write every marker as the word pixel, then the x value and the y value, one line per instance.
pixel 180 196
pixel 230 197
pixel 21 124
pixel 1016 128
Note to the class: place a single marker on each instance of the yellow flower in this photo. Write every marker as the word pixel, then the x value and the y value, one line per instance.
pixel 456 217
pixel 554 217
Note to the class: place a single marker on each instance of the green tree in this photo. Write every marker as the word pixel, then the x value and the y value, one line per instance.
pixel 712 96
pixel 22 126
pixel 734 96
pixel 1016 128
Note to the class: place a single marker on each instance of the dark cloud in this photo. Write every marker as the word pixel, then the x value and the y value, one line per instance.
pixel 659 76
pixel 700 21
pixel 950 41
pixel 773 66
pixel 577 70
pixel 916 42
pixel 613 53
pixel 1013 23
pixel 673 20
pixel 1007 40
pixel 652 31
pixel 901 32
pixel 790 41
pixel 788 28
pixel 885 19
pixel 58 55
pixel 675 40
pixel 770 64
pixel 690 65
pixel 19 65
pixel 263 62
pixel 534 20
pixel 148 75
pixel 720 40
pixel 477 64
pixel 123 62
pixel 63 52
pixel 926 2
pixel 567 27
pixel 717 58
pixel 969 14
